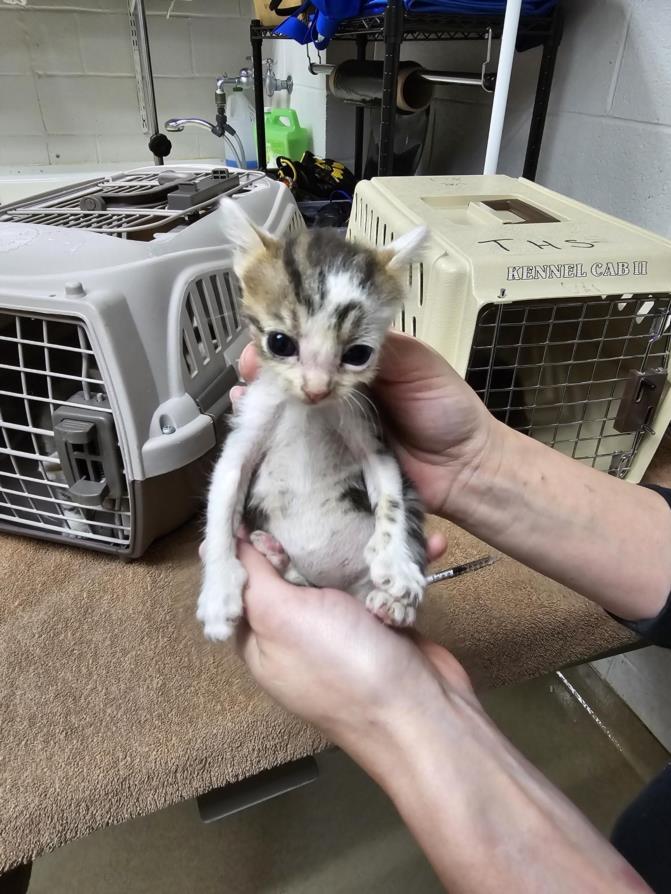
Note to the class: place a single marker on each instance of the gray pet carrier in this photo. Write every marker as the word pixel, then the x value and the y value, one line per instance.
pixel 119 331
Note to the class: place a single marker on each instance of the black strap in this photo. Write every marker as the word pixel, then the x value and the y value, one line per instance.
pixel 276 7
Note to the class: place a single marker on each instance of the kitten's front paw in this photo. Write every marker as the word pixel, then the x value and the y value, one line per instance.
pixel 220 600
pixel 392 611
pixel 399 582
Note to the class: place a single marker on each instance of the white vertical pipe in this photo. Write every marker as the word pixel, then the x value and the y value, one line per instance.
pixel 505 66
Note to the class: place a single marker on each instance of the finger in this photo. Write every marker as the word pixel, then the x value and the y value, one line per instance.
pixel 236 393
pixel 445 663
pixel 270 602
pixel 242 636
pixel 242 533
pixel 249 364
pixel 405 359
pixel 436 545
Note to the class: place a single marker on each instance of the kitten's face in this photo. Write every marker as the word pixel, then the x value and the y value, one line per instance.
pixel 319 308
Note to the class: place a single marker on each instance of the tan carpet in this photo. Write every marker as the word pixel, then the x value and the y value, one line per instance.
pixel 113 705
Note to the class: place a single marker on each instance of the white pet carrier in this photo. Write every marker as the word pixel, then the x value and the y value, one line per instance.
pixel 557 315
pixel 119 331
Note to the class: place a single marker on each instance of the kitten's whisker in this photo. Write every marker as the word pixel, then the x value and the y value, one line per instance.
pixel 351 405
pixel 374 409
pixel 371 417
pixel 363 409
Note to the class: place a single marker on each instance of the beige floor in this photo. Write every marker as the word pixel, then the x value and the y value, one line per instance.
pixel 340 835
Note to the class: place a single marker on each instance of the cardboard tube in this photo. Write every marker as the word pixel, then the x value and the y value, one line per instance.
pixel 361 82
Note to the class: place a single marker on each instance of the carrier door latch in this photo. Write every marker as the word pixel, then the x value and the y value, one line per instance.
pixel 85 440
pixel 642 394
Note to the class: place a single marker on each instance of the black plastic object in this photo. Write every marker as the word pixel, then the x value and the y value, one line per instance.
pixel 149 195
pixel 642 394
pixel 316 178
pixel 85 440
pixel 160 145
pixel 200 189
pixel 179 191
pixel 334 213
pixel 409 140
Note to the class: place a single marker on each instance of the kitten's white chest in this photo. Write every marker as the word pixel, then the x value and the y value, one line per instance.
pixel 299 486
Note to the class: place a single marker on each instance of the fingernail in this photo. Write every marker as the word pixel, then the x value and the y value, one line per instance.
pixel 236 364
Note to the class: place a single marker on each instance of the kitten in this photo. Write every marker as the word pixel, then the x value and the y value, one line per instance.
pixel 306 466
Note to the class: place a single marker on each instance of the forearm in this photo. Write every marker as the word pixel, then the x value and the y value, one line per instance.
pixel 606 539
pixel 487 821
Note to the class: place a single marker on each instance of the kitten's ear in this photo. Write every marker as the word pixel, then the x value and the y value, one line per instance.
pixel 243 233
pixel 406 249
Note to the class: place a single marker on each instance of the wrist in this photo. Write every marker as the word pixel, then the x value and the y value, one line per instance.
pixel 487 820
pixel 413 733
pixel 474 485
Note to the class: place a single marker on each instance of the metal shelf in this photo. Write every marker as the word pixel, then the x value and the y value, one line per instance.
pixel 394 27
pixel 427 27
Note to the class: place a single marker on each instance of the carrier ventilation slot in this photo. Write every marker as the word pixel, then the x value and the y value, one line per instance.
pixel 557 370
pixel 49 376
pixel 210 322
pixel 296 223
pixel 371 228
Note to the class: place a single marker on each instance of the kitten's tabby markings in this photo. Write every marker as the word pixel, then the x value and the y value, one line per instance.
pixel 305 464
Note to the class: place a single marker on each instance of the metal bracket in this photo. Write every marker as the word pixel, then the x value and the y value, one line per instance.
pixel 488 80
pixel 222 802
pixel 642 394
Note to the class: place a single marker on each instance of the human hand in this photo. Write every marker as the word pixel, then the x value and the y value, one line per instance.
pixel 322 656
pixel 440 430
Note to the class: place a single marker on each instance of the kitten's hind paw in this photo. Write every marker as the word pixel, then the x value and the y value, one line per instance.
pixel 391 610
pixel 220 600
pixel 270 548
pixel 274 551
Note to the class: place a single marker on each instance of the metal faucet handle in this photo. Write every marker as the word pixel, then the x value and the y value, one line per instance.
pixel 177 125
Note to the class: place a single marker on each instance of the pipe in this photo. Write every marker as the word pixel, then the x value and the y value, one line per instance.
pixel 240 154
pixel 508 39
pixel 143 71
pixel 177 125
pixel 448 77
pixel 317 68
pixel 434 77
pixel 231 145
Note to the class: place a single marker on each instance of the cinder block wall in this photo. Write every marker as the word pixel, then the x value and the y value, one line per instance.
pixel 67 88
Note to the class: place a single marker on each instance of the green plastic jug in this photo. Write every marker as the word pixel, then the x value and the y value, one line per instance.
pixel 285 136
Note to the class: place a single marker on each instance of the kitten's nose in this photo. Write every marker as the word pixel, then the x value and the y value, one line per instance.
pixel 316 395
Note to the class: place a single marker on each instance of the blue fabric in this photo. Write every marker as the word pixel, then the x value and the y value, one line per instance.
pixel 323 21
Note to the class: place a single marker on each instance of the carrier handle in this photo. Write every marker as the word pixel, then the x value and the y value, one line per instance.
pixel 279 116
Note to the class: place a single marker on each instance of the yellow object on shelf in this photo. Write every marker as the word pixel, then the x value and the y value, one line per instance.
pixel 265 15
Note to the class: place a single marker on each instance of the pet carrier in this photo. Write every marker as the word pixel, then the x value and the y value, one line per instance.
pixel 559 316
pixel 119 331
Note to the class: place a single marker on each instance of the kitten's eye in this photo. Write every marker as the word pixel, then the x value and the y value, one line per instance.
pixel 281 345
pixel 357 355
